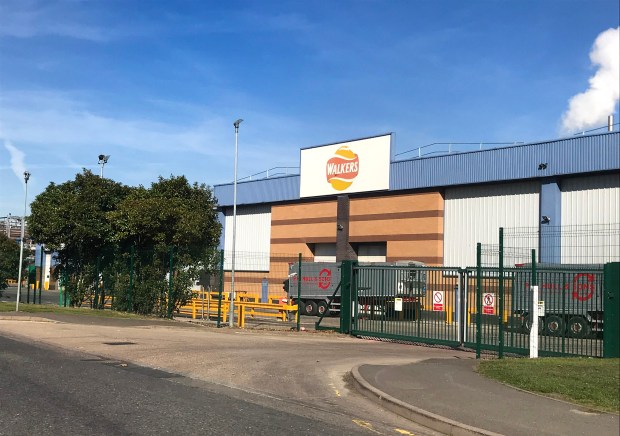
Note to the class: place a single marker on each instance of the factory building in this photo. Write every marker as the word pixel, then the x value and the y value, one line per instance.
pixel 433 209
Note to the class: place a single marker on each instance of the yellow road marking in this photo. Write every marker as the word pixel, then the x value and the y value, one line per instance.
pixel 366 425
pixel 335 390
pixel 405 432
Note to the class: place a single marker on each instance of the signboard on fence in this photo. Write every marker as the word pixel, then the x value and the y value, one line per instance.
pixel 438 302
pixel 488 304
pixel 398 304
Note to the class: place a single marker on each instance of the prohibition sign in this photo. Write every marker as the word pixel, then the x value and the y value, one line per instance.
pixel 438 301
pixel 488 300
pixel 488 304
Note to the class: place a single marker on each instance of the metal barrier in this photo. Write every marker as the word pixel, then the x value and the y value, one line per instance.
pixel 207 305
pixel 570 310
pixel 417 304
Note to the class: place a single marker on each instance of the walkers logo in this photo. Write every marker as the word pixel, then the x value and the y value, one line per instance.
pixel 342 169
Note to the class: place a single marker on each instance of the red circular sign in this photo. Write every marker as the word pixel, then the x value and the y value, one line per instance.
pixel 583 290
pixel 325 278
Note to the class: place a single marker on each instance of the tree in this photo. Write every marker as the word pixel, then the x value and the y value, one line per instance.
pixel 71 219
pixel 171 219
pixel 9 260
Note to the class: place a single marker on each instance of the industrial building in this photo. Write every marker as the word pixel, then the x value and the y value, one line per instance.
pixel 431 209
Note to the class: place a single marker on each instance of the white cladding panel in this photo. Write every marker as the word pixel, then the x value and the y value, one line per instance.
pixel 253 237
pixel 590 218
pixel 372 252
pixel 325 252
pixel 475 214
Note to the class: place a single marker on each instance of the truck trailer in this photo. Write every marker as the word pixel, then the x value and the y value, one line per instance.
pixel 375 292
pixel 571 295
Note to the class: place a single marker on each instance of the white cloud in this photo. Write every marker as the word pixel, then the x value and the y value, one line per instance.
pixel 17 160
pixel 590 108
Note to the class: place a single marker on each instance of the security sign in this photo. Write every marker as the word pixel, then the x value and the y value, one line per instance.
pixel 488 304
pixel 438 301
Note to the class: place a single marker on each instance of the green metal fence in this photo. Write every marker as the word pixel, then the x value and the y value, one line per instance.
pixel 408 303
pixel 569 307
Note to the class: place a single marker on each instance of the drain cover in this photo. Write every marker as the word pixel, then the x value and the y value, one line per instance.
pixel 119 343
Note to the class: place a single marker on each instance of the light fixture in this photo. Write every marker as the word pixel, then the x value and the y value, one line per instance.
pixel 545 219
pixel 103 159
pixel 542 166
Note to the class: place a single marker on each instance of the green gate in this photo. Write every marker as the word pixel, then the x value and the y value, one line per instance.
pixel 407 302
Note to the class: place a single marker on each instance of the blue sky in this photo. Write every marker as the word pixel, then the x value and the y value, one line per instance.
pixel 157 85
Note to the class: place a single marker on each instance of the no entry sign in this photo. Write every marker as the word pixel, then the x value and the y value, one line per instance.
pixel 488 304
pixel 438 301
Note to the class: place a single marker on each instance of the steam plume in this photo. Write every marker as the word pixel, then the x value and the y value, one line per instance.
pixel 591 108
pixel 17 160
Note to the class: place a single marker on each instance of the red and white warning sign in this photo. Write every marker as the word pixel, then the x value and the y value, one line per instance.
pixel 488 304
pixel 438 301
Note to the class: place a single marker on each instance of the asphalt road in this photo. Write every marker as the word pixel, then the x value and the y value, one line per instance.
pixel 51 392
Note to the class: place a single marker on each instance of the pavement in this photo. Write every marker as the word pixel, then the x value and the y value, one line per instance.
pixel 449 396
pixel 438 389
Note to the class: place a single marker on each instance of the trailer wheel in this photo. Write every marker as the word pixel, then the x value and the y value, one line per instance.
pixel 310 308
pixel 578 327
pixel 527 324
pixel 554 325
pixel 302 307
pixel 321 308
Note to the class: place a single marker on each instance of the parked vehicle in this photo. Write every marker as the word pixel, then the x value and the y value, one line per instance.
pixel 320 281
pixel 572 296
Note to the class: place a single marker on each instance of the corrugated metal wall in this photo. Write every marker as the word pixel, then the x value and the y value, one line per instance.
pixel 252 239
pixel 579 154
pixel 590 219
pixel 475 214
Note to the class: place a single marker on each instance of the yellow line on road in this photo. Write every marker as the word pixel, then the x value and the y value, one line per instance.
pixel 366 425
pixel 335 390
pixel 405 432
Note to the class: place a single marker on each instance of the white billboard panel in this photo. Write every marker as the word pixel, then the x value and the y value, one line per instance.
pixel 354 166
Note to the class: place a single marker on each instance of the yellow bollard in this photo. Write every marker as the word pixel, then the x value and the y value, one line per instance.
pixel 506 313
pixel 448 315
pixel 241 316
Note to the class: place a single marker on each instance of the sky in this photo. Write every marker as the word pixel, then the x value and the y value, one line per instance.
pixel 157 85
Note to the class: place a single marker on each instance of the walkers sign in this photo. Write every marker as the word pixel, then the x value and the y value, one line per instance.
pixel 354 166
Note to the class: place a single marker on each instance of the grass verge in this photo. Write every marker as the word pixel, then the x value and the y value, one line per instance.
pixel 38 308
pixel 594 383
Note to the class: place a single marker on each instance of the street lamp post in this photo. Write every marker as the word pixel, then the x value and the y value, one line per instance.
pixel 234 233
pixel 103 159
pixel 21 245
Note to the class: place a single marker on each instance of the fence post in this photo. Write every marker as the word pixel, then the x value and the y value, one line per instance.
pixel 130 296
pixel 170 284
pixel 42 277
pixel 221 289
pixel 346 279
pixel 95 304
pixel 611 300
pixel 299 294
pixel 478 299
pixel 534 310
pixel 501 293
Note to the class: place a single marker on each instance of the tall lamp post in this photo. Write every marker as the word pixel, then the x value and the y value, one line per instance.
pixel 234 235
pixel 103 159
pixel 21 245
